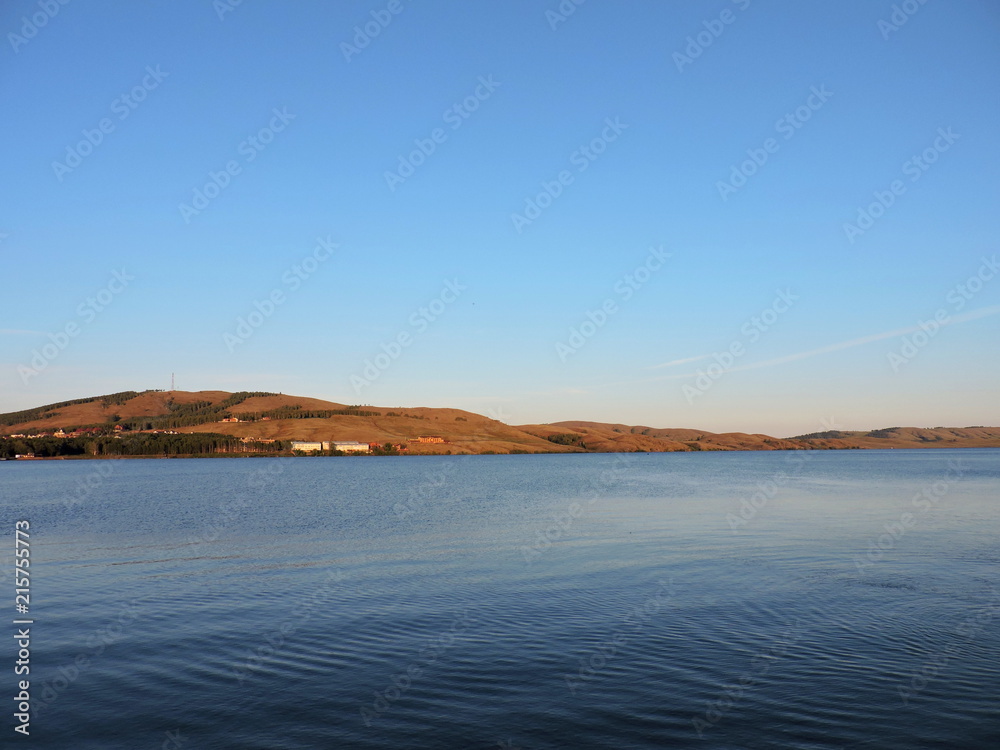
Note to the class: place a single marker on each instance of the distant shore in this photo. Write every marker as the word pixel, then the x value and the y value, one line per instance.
pixel 209 424
pixel 465 455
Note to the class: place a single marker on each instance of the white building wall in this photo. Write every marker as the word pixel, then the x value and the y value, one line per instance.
pixel 350 446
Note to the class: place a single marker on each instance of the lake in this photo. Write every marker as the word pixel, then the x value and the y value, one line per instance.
pixel 821 599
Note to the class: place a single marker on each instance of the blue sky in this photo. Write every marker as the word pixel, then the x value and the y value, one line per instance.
pixel 737 138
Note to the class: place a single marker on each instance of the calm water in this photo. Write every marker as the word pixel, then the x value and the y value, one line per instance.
pixel 587 601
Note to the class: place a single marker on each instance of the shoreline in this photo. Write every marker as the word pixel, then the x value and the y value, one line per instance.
pixel 493 453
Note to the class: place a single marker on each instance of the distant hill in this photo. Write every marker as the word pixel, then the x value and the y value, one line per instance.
pixel 275 416
pixel 602 437
pixel 907 437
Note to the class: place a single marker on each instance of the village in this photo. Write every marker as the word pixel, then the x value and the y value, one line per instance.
pixel 250 444
pixel 354 446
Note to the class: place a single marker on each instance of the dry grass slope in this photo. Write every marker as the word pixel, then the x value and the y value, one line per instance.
pixel 467 432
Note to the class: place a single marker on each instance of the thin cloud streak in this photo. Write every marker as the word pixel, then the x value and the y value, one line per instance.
pixel 679 362
pixel 972 315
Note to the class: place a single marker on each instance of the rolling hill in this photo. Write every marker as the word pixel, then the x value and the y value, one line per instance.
pixel 276 416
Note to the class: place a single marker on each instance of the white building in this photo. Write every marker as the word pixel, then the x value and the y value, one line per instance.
pixel 349 446
pixel 306 447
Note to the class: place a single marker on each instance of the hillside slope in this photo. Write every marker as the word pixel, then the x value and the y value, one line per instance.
pixel 907 437
pixel 620 437
pixel 276 416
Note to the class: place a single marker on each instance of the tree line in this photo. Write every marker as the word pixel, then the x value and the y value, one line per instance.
pixel 49 410
pixel 139 444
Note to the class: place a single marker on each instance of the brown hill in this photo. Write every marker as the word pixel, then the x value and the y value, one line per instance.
pixel 276 400
pixel 286 417
pixel 670 438
pixel 620 437
pixel 906 437
pixel 99 410
pixel 463 432
pixel 301 418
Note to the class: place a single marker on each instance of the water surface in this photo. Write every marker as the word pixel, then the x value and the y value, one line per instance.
pixel 717 600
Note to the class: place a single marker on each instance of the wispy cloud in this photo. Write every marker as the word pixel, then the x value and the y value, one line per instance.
pixel 973 315
pixel 684 361
pixel 984 312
